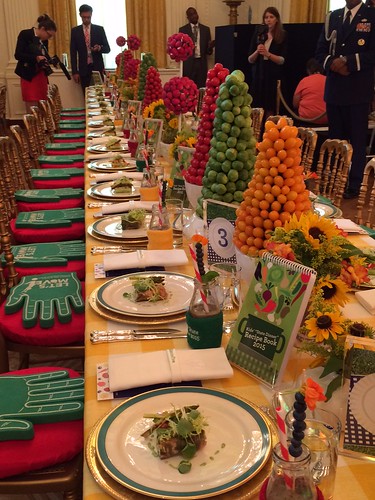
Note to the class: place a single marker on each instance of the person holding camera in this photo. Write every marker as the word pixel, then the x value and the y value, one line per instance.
pixel 32 56
pixel 87 44
pixel 267 55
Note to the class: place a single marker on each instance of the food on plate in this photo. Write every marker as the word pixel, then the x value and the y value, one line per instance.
pixel 177 432
pixel 119 162
pixel 122 185
pixel 108 121
pixel 110 131
pixel 134 219
pixel 148 289
pixel 113 143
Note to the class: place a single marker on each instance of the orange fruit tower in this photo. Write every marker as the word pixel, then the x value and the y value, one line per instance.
pixel 276 191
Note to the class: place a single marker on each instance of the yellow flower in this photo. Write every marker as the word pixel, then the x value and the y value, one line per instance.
pixel 191 141
pixel 325 325
pixel 173 123
pixel 334 290
pixel 317 229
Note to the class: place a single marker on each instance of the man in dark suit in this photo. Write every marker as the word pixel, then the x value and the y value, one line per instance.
pixel 346 48
pixel 196 66
pixel 87 43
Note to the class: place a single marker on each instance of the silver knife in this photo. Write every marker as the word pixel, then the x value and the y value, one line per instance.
pixel 98 336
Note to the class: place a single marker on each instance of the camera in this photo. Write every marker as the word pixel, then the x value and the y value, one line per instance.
pixel 262 33
pixel 54 61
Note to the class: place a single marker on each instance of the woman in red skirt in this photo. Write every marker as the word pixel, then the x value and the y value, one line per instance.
pixel 32 66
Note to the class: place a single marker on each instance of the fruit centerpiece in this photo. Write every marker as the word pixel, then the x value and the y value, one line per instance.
pixel 232 153
pixel 154 88
pixel 276 191
pixel 148 60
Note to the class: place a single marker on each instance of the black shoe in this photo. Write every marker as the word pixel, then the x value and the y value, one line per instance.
pixel 349 194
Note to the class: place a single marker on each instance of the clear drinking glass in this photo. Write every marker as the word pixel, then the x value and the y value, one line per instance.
pixel 229 292
pixel 175 210
pixel 322 437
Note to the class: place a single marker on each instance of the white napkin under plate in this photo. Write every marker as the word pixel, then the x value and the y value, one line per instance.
pixel 171 366
pixel 118 208
pixel 145 258
pixel 367 299
pixel 103 140
pixel 136 176
pixel 349 226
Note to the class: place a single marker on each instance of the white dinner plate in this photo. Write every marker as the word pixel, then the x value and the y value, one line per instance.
pixel 179 287
pixel 96 124
pixel 362 402
pixel 326 210
pixel 107 165
pixel 102 148
pixel 104 190
pixel 238 444
pixel 111 227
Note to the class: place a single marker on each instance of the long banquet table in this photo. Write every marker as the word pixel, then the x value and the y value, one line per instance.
pixel 355 479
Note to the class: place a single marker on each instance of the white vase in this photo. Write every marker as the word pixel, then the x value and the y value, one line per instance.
pixel 164 149
pixel 193 192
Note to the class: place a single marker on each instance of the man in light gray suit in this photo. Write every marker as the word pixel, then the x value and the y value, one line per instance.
pixel 196 66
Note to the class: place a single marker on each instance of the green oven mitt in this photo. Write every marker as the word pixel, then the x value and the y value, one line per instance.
pixel 41 219
pixel 47 195
pixel 38 399
pixel 55 173
pixel 48 254
pixel 40 297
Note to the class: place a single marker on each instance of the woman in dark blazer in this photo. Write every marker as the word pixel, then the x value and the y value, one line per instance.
pixel 267 55
pixel 32 66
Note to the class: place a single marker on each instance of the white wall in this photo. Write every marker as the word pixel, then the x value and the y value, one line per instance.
pixel 16 15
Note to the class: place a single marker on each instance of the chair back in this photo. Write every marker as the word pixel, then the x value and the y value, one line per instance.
pixel 334 161
pixel 11 172
pixel 44 106
pixel 309 138
pixel 257 120
pixel 8 274
pixel 19 136
pixel 366 201
pixel 41 132
pixel 33 139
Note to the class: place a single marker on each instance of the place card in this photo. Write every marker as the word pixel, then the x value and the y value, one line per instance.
pixel 219 218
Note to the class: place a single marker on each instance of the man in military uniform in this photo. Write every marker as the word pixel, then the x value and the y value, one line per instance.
pixel 346 48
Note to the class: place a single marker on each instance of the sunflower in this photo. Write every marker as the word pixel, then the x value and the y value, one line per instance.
pixel 317 229
pixel 334 290
pixel 325 325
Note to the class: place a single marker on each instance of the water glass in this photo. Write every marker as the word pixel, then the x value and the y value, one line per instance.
pixel 229 292
pixel 322 435
pixel 175 210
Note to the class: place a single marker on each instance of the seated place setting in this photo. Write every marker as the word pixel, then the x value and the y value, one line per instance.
pixel 228 353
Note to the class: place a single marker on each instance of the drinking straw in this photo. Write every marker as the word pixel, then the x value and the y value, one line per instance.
pixel 281 426
pixel 198 275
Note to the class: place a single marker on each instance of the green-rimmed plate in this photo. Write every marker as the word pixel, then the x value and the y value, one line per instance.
pixel 179 287
pixel 326 210
pixel 111 227
pixel 238 444
pixel 104 190
pixel 102 148
pixel 107 165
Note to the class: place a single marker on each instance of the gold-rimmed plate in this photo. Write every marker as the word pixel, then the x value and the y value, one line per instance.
pixel 104 190
pixel 326 210
pixel 137 320
pixel 248 490
pixel 137 242
pixel 110 227
pixel 238 444
pixel 102 148
pixel 108 131
pixel 107 165
pixel 97 124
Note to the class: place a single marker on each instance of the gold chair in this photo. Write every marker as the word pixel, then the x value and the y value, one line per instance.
pixel 309 138
pixel 257 120
pixel 366 202
pixel 333 169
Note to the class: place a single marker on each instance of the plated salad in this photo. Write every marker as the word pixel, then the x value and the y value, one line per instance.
pixel 148 289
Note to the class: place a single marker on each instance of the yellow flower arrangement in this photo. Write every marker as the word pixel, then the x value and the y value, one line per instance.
pixel 186 138
pixel 158 110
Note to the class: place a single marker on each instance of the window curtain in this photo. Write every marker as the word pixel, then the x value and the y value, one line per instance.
pixel 308 11
pixel 64 13
pixel 147 20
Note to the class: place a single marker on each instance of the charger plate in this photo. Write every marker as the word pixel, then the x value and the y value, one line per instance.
pixel 138 242
pixel 213 404
pixel 102 148
pixel 122 318
pixel 326 210
pixel 106 166
pixel 103 190
pixel 110 226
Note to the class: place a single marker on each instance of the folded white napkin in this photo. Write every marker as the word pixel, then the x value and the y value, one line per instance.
pixel 172 366
pixel 145 258
pixel 103 140
pixel 349 226
pixel 118 208
pixel 93 116
pixel 367 299
pixel 137 176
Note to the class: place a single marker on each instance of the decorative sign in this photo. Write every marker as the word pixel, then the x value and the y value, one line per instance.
pixel 50 218
pixel 270 317
pixel 219 218
pixel 358 438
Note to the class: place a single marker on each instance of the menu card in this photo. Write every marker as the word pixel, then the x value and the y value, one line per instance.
pixel 270 317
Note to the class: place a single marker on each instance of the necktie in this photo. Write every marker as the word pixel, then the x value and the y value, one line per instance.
pixel 87 41
pixel 346 23
pixel 195 34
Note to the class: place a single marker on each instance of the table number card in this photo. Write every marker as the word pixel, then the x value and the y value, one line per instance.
pixel 270 317
pixel 219 218
pixel 358 438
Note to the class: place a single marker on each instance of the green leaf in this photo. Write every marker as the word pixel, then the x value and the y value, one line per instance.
pixel 333 365
pixel 189 451
pixel 209 276
pixel 332 386
pixel 184 427
pixel 184 467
